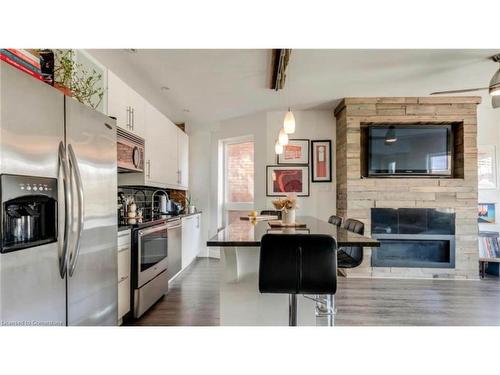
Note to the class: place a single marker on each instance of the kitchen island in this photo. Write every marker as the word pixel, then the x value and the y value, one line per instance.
pixel 240 301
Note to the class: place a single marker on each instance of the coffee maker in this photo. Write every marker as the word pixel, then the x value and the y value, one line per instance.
pixel 28 212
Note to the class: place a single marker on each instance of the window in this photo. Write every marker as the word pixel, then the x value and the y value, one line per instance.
pixel 238 178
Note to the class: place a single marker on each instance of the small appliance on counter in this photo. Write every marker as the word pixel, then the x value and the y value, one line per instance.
pixel 173 208
pixel 163 203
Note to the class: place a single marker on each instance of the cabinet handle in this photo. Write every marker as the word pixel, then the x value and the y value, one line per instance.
pixel 127 122
pixel 122 279
pixel 133 117
pixel 149 168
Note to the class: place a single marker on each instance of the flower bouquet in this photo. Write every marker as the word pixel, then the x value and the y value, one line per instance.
pixel 287 206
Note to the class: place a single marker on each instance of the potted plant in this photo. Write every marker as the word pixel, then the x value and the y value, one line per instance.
pixel 74 80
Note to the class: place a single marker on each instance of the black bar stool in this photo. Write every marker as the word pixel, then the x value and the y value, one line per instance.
pixel 350 257
pixel 271 213
pixel 298 264
pixel 335 220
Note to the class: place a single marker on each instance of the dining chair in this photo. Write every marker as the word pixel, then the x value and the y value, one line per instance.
pixel 352 256
pixel 299 264
pixel 271 213
pixel 335 220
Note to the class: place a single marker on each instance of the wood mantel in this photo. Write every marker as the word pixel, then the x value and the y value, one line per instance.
pixel 356 195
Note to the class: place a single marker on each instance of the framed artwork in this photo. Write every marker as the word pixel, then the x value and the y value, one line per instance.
pixel 283 180
pixel 486 171
pixel 486 213
pixel 321 155
pixel 295 152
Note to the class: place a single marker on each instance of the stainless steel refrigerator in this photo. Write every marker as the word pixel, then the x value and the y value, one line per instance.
pixel 56 152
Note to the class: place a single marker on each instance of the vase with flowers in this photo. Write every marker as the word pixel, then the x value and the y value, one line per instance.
pixel 287 206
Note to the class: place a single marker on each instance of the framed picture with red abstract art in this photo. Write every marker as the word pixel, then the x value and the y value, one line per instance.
pixel 283 180
pixel 321 155
pixel 295 152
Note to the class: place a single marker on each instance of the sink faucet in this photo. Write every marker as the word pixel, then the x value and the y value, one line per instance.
pixel 153 199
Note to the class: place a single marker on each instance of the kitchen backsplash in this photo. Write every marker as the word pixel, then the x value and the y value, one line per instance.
pixel 142 196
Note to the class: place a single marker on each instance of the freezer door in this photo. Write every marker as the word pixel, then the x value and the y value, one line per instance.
pixel 92 267
pixel 32 291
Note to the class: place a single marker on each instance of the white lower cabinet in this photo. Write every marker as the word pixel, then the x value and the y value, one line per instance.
pixel 124 258
pixel 191 236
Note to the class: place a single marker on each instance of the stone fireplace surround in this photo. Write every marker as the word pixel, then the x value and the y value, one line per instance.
pixel 356 195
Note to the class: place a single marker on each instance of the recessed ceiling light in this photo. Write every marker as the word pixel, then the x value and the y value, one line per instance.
pixel 186 110
pixel 164 88
pixel 132 50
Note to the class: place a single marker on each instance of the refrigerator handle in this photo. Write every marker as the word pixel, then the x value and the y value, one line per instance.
pixel 68 204
pixel 75 170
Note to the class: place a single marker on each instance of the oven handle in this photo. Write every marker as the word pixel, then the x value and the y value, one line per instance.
pixel 154 229
pixel 68 203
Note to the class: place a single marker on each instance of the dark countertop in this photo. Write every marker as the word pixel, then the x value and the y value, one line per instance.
pixel 247 233
pixel 159 219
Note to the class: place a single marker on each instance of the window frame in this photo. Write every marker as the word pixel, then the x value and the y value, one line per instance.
pixel 225 205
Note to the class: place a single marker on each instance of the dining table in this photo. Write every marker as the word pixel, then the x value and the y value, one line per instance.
pixel 241 303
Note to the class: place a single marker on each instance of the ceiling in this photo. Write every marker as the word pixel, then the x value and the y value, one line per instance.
pixel 208 86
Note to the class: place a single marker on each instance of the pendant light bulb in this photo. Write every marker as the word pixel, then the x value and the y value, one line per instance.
pixel 278 149
pixel 283 137
pixel 289 122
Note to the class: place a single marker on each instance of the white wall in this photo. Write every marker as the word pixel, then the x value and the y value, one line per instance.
pixel 263 127
pixel 313 125
pixel 489 134
pixel 199 178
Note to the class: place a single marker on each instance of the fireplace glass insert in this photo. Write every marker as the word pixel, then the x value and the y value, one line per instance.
pixel 414 237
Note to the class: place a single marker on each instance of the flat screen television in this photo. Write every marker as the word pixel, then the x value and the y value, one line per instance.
pixel 409 150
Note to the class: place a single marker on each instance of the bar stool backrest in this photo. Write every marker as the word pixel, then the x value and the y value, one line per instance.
pixel 298 264
pixel 355 252
pixel 335 220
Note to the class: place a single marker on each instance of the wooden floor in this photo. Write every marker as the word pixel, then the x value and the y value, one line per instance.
pixel 193 300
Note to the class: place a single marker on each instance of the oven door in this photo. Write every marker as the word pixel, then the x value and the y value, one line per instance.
pixel 152 253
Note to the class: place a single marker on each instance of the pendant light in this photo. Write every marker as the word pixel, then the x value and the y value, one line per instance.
pixel 278 149
pixel 289 122
pixel 494 87
pixel 390 136
pixel 283 137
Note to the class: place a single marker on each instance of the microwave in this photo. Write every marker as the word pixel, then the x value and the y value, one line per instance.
pixel 130 151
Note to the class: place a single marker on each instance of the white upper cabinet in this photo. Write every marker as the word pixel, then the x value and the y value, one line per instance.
pixel 170 161
pixel 166 154
pixel 183 158
pixel 126 105
pixel 156 139
pixel 166 146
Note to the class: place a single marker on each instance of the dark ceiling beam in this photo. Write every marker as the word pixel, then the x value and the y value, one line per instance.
pixel 279 63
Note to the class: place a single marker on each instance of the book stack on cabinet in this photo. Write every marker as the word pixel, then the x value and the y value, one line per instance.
pixel 489 252
pixel 22 60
